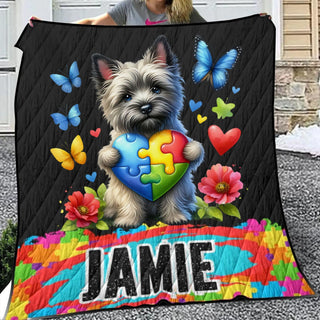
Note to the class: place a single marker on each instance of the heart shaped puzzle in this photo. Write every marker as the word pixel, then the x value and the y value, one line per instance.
pixel 151 167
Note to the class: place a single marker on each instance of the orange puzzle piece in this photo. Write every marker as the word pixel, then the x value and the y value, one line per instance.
pixel 155 153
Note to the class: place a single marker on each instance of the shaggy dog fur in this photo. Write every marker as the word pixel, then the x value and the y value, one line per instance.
pixel 144 97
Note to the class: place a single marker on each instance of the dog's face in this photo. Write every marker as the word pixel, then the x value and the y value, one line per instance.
pixel 143 96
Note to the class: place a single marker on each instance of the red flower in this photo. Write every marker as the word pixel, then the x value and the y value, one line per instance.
pixel 83 208
pixel 221 185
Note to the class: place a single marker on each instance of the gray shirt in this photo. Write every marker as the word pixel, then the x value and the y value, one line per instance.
pixel 135 12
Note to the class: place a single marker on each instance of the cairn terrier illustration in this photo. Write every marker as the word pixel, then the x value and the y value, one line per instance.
pixel 144 97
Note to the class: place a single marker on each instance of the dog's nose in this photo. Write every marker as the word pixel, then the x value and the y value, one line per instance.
pixel 146 109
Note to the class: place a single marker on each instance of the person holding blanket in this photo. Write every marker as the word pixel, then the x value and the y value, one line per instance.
pixel 145 12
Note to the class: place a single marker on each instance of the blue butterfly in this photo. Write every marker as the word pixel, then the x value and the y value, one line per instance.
pixel 204 68
pixel 67 83
pixel 65 121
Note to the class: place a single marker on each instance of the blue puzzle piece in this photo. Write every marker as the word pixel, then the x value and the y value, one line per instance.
pixel 270 290
pixel 128 145
pixel 133 181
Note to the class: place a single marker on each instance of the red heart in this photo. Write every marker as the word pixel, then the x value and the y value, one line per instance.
pixel 95 133
pixel 223 141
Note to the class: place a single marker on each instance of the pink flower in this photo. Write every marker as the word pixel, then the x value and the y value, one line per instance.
pixel 221 185
pixel 83 208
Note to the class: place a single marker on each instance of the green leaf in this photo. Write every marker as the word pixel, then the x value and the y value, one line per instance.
pixel 100 214
pixel 91 191
pixel 91 226
pixel 214 212
pixel 201 213
pixel 102 204
pixel 102 225
pixel 69 225
pixel 201 204
pixel 230 210
pixel 101 191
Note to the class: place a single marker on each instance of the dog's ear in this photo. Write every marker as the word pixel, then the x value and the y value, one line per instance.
pixel 103 69
pixel 161 52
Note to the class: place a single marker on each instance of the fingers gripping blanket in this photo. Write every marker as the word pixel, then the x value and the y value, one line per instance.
pixel 146 168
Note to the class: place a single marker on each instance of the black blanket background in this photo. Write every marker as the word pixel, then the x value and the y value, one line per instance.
pixel 48 46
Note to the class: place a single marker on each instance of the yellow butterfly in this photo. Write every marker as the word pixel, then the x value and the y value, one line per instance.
pixel 67 159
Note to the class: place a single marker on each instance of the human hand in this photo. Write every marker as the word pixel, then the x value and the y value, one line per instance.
pixel 265 14
pixel 30 20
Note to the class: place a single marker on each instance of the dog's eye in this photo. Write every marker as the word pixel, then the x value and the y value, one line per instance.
pixel 127 97
pixel 155 90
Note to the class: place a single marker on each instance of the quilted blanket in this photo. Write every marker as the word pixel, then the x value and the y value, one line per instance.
pixel 146 168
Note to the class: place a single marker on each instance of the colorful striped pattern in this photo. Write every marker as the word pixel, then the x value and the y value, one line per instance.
pixel 253 260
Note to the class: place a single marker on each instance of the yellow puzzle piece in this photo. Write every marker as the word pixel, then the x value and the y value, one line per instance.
pixel 155 153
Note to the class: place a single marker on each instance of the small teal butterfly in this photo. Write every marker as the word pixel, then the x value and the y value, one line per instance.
pixel 73 118
pixel 66 83
pixel 204 68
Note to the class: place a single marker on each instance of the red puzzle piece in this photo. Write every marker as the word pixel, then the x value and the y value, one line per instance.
pixel 176 147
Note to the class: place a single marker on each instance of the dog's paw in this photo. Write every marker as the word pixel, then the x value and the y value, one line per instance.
pixel 110 212
pixel 177 217
pixel 126 222
pixel 108 157
pixel 193 151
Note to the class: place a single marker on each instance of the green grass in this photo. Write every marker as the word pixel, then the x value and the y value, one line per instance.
pixel 7 253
